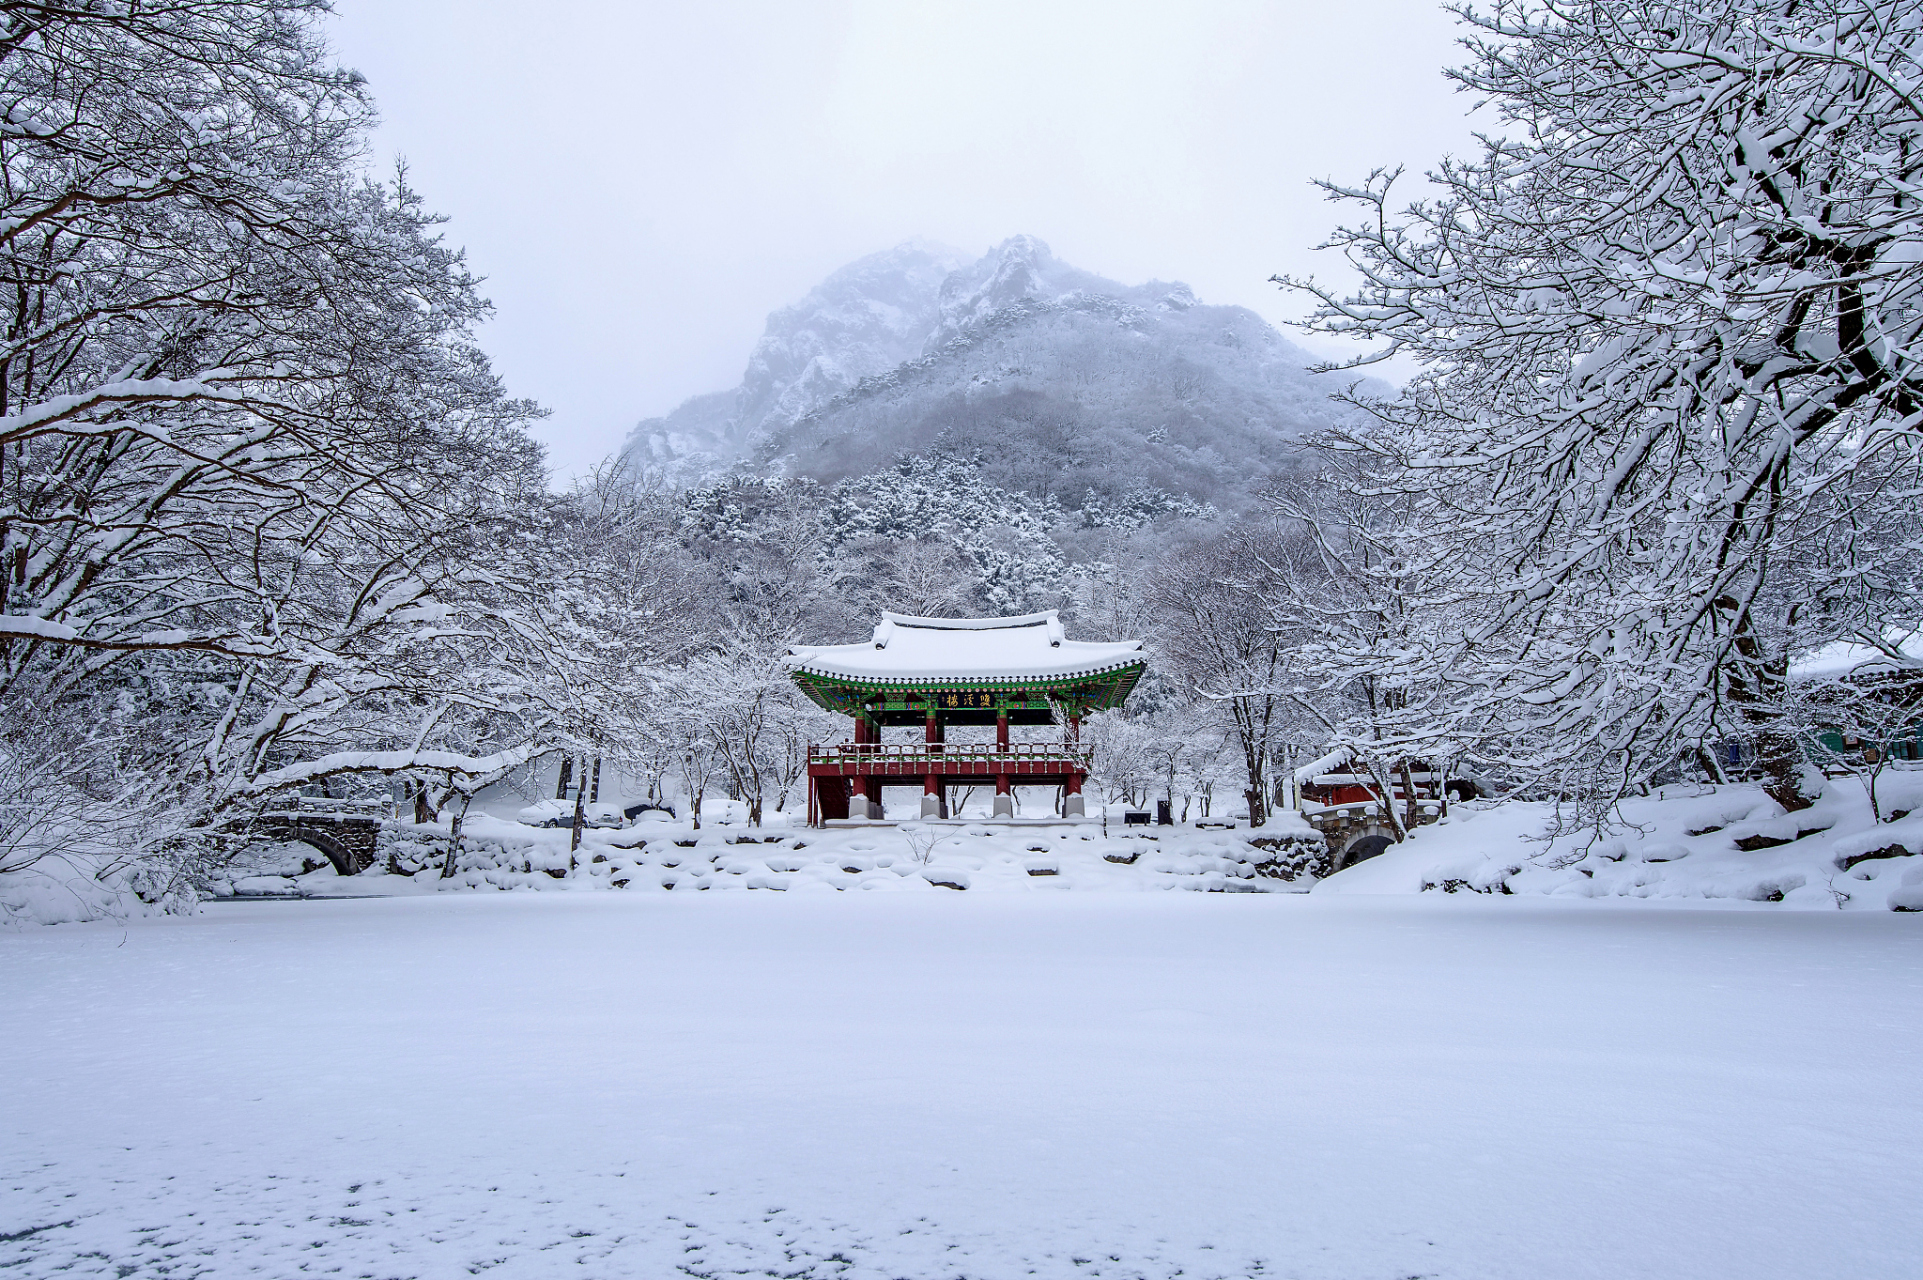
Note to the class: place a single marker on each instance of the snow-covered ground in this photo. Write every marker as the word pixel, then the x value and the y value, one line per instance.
pixel 1685 842
pixel 940 1085
pixel 656 856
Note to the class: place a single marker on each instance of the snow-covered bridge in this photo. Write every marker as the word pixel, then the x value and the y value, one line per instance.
pixel 346 832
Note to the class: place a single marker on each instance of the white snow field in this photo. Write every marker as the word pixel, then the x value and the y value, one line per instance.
pixel 933 1086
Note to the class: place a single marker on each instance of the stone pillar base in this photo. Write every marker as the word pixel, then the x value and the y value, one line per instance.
pixel 1004 806
pixel 874 811
pixel 1072 807
pixel 931 806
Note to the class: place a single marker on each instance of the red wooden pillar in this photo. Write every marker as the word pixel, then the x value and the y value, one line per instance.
pixel 832 798
pixel 1072 804
pixel 1001 731
pixel 864 793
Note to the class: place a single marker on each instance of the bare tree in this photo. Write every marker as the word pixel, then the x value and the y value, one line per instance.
pixel 1215 636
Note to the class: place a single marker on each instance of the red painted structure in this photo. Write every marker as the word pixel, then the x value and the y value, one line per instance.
pixel 862 768
pixel 929 673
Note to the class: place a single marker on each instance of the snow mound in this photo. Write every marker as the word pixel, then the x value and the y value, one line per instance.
pixel 1729 842
pixel 70 888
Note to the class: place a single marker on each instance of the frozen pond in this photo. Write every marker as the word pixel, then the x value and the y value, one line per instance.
pixel 965 1085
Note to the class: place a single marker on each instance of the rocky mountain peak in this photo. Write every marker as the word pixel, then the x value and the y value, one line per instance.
pixel 1020 270
pixel 864 319
pixel 1072 381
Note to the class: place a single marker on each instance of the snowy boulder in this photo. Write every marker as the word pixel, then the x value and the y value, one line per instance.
pixel 263 886
pixel 725 813
pixel 1290 855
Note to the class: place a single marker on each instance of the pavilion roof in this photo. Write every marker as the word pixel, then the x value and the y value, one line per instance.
pixel 908 650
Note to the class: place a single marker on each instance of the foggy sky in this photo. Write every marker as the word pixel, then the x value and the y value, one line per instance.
pixel 643 182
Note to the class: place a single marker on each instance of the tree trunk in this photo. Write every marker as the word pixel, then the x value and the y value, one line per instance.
pixel 580 824
pixel 1712 768
pixel 1380 780
pixel 1256 792
pixel 1755 688
pixel 454 839
pixel 1785 772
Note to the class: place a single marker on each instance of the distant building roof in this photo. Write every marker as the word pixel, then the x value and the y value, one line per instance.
pixel 907 649
pixel 1835 661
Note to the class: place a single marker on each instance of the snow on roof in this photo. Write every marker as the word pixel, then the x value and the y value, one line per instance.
pixel 1030 646
pixel 1833 661
pixel 1308 773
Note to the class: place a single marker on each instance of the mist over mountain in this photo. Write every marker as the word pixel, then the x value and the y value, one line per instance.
pixel 1064 383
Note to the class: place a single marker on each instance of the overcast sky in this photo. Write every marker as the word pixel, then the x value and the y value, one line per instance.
pixel 643 182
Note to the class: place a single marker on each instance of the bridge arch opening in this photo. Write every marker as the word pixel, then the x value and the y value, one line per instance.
pixel 1362 848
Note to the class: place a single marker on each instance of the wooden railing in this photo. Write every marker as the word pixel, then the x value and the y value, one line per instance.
pixel 937 754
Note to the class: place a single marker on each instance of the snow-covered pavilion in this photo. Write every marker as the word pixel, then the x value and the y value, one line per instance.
pixel 930 673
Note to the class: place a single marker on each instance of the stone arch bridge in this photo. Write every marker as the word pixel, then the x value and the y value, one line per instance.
pixel 346 832
pixel 1352 840
pixel 1349 812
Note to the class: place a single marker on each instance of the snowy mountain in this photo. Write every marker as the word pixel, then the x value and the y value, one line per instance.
pixel 1063 381
pixel 865 319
